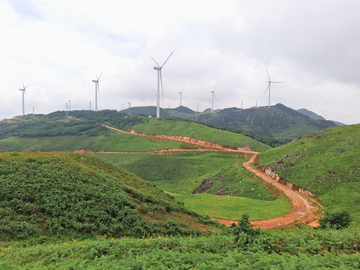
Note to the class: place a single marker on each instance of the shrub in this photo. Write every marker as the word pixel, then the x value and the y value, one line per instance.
pixel 339 220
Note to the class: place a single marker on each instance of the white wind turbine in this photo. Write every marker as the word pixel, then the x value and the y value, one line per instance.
pixel 97 89
pixel 159 81
pixel 23 94
pixel 269 86
pixel 180 93
pixel 213 95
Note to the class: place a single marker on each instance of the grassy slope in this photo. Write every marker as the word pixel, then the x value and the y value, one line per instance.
pixel 181 173
pixel 112 141
pixel 231 207
pixel 177 127
pixel 66 193
pixel 317 163
pixel 294 249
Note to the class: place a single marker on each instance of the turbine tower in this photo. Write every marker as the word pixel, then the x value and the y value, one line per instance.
pixel 213 95
pixel 129 108
pixel 269 86
pixel 96 89
pixel 159 81
pixel 180 93
pixel 23 94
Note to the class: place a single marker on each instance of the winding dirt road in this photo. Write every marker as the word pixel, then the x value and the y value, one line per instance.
pixel 303 209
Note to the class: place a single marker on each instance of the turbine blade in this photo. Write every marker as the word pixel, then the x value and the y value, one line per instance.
pixel 155 62
pixel 25 97
pixel 267 88
pixel 215 97
pixel 268 74
pixel 99 76
pixel 23 85
pixel 215 86
pixel 167 59
pixel 277 82
pixel 98 88
pixel 161 83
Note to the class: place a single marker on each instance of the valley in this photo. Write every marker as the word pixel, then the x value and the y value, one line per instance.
pixel 143 187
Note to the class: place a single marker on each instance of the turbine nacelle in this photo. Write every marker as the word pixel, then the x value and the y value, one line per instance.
pixel 269 86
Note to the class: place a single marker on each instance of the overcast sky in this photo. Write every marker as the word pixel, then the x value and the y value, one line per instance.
pixel 57 47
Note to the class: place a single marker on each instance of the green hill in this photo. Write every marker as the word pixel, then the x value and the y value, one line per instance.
pixel 65 193
pixel 326 163
pixel 278 122
pixel 180 127
pixel 48 133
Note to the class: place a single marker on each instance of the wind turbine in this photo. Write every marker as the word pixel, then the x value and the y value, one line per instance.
pixel 180 93
pixel 97 89
pixel 159 81
pixel 213 95
pixel 23 94
pixel 129 108
pixel 269 86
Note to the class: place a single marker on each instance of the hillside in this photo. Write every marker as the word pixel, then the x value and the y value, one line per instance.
pixel 278 122
pixel 65 193
pixel 179 127
pixel 326 163
pixel 50 133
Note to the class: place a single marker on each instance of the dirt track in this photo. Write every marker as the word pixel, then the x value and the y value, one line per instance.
pixel 302 210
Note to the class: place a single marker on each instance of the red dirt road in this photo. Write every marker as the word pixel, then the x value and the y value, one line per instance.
pixel 303 209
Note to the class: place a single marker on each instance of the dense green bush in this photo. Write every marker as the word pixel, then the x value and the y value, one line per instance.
pixel 338 220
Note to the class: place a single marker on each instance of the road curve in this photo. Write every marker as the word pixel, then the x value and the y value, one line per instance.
pixel 302 209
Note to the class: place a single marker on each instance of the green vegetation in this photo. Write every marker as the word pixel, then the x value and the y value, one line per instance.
pixel 111 141
pixel 231 207
pixel 273 126
pixel 177 173
pixel 326 163
pixel 84 123
pixel 294 249
pixel 183 174
pixel 70 194
pixel 336 221
pixel 179 127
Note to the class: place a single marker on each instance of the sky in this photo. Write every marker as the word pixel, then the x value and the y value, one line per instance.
pixel 56 48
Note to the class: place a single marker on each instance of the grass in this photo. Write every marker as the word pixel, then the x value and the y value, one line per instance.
pixel 176 173
pixel 326 163
pixel 111 141
pixel 289 249
pixel 178 127
pixel 232 207
pixel 181 173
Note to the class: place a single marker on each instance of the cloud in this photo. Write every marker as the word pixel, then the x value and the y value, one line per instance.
pixel 57 46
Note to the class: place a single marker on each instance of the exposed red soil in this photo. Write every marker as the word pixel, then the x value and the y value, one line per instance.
pixel 303 209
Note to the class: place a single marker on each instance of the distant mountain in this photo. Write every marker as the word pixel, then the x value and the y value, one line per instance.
pixel 311 114
pixel 278 122
pixel 146 110
pixel 315 116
